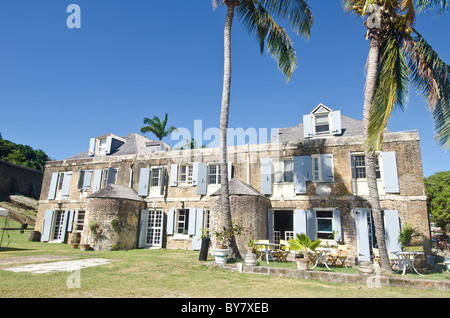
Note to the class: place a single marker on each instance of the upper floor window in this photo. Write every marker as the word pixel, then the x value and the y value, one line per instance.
pixel 186 172
pixel 322 121
pixel 214 174
pixel 359 167
pixel 284 171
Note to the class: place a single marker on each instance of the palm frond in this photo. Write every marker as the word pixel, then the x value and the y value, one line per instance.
pixel 296 12
pixel 258 22
pixel 391 92
pixel 428 5
pixel 430 77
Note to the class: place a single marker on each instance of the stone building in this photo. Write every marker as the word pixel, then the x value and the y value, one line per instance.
pixel 309 178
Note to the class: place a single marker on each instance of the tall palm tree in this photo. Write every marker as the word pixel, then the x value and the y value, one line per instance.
pixel 398 56
pixel 157 127
pixel 256 15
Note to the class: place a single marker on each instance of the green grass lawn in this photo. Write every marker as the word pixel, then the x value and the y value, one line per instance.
pixel 166 273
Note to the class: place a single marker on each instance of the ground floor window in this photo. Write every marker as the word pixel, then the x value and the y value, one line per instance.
pixel 79 221
pixel 324 224
pixel 182 221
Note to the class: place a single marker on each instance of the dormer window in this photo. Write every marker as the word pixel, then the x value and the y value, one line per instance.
pixel 102 146
pixel 105 145
pixel 322 121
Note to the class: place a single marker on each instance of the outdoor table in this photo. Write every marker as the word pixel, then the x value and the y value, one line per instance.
pixel 266 249
pixel 322 254
pixel 407 259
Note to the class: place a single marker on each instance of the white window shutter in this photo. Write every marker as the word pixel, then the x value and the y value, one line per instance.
pixel 70 221
pixel 173 175
pixel 302 173
pixel 142 228
pixel 266 176
pixel 64 226
pixel 362 235
pixel 192 220
pixel 96 184
pixel 311 224
pixel 163 180
pixel 199 175
pixel 392 230
pixel 66 185
pixel 108 144
pixel 92 146
pixel 47 225
pixel 230 171
pixel 337 225
pixel 327 167
pixel 390 173
pixel 307 126
pixel 196 241
pixel 170 221
pixel 299 222
pixel 144 175
pixel 53 184
pixel 336 127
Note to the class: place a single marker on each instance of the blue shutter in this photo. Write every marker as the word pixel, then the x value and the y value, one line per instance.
pixel 66 185
pixel 266 176
pixel 196 241
pixel 270 225
pixel 299 221
pixel 390 172
pixel 307 126
pixel 392 230
pixel 302 173
pixel 362 235
pixel 327 167
pixel 143 229
pixel 108 144
pixel 87 179
pixel 173 175
pixel 64 226
pixel 170 221
pixel 144 174
pixel 53 184
pixel 97 180
pixel 192 219
pixel 311 224
pixel 337 225
pixel 70 221
pixel 199 175
pixel 336 128
pixel 92 147
pixel 47 225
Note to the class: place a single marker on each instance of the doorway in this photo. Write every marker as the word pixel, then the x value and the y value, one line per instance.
pixel 283 225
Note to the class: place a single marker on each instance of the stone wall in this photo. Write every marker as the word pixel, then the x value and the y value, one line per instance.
pixel 19 179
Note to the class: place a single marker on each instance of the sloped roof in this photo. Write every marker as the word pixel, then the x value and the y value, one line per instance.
pixel 350 127
pixel 237 187
pixel 134 144
pixel 115 191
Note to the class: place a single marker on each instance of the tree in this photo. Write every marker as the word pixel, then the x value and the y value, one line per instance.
pixel 23 155
pixel 437 189
pixel 157 127
pixel 398 56
pixel 257 18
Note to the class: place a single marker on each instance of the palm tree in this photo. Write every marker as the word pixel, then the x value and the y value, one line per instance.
pixel 256 17
pixel 157 127
pixel 398 56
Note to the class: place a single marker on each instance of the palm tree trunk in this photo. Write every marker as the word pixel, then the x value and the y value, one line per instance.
pixel 370 156
pixel 224 114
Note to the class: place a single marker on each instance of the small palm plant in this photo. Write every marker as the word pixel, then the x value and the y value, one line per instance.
pixel 303 244
pixel 407 234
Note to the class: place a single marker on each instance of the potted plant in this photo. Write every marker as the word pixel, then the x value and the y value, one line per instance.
pixel 407 234
pixel 250 257
pixel 303 244
pixel 75 237
pixel 221 252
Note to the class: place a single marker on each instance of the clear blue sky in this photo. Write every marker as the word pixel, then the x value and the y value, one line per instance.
pixel 138 58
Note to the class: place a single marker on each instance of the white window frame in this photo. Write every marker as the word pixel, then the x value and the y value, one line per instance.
pixel 102 142
pixel 152 178
pixel 280 170
pixel 182 219
pixel 154 228
pixel 55 224
pixel 324 218
pixel 188 173
pixel 323 115
pixel 216 175
pixel 353 167
pixel 77 221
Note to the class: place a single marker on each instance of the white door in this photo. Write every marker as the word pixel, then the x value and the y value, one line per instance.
pixel 58 227
pixel 154 228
